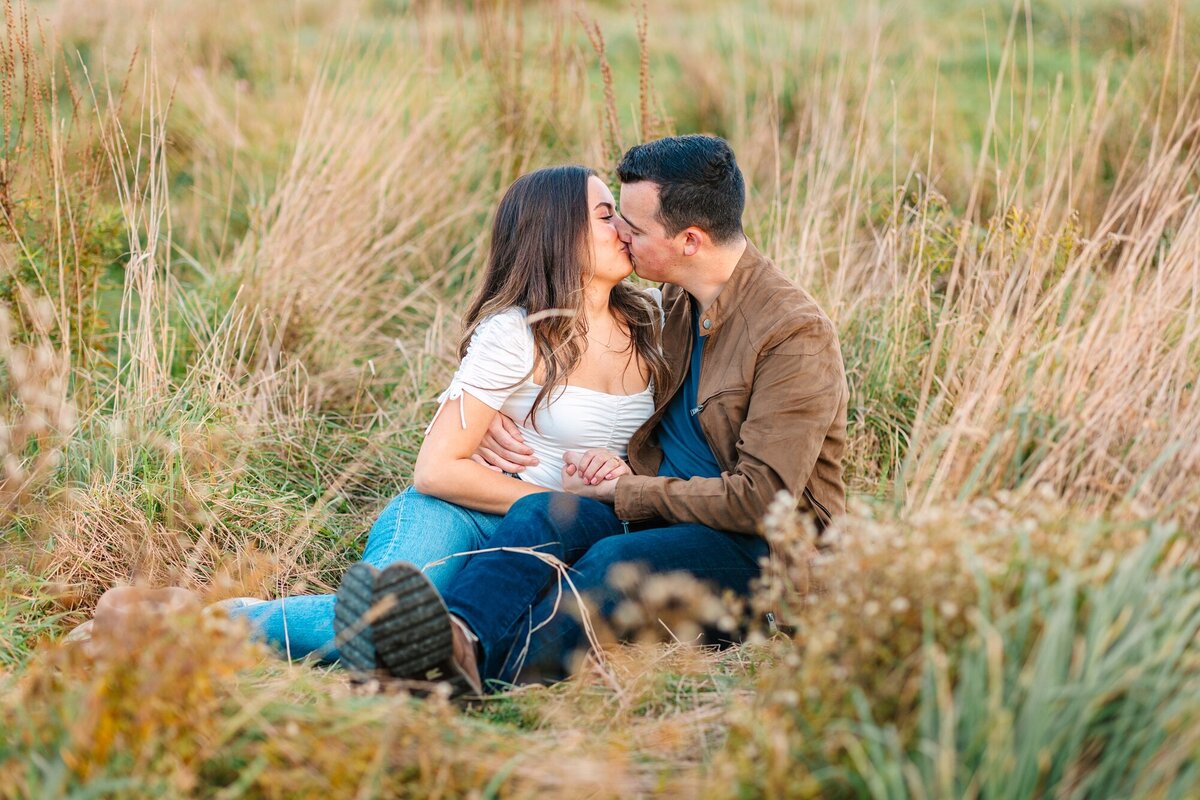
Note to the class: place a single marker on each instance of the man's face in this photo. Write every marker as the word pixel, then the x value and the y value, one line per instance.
pixel 655 256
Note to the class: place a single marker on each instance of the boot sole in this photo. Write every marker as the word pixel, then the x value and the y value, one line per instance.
pixel 354 636
pixel 413 639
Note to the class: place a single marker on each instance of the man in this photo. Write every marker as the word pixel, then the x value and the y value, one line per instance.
pixel 756 403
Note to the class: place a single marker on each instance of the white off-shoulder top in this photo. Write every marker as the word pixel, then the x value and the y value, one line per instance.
pixel 496 370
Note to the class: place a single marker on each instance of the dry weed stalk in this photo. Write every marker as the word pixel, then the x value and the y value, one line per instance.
pixel 141 174
pixel 36 418
pixel 502 49
pixel 52 176
pixel 608 116
pixel 652 121
pixel 24 101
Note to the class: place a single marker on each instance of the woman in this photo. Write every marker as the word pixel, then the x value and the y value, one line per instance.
pixel 557 340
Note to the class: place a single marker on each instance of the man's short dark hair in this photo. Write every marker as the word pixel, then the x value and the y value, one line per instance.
pixel 698 180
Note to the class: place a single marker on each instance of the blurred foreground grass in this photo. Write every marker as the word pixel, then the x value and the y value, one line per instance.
pixel 235 241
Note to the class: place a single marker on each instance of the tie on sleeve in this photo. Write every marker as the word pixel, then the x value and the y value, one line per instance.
pixel 499 360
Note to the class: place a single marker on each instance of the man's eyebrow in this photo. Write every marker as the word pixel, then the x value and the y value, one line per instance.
pixel 633 225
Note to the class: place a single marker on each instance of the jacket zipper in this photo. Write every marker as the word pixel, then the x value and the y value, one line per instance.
pixel 708 399
pixel 815 503
pixel 699 408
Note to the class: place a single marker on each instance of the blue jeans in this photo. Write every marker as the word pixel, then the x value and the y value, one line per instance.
pixel 509 599
pixel 414 528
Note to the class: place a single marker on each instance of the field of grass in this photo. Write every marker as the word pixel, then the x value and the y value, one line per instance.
pixel 235 242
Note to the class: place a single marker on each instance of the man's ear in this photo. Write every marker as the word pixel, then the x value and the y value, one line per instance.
pixel 693 239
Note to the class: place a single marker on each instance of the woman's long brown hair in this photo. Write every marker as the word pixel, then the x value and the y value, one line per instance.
pixel 539 260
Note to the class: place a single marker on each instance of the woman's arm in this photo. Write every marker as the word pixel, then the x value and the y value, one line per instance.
pixel 444 467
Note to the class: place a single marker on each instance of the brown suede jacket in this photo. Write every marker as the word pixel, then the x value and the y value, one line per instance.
pixel 772 406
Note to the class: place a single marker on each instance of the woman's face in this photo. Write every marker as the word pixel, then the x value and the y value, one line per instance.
pixel 610 255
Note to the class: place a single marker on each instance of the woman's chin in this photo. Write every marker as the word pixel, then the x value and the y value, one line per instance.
pixel 616 271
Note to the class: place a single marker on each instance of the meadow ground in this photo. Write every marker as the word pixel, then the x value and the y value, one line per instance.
pixel 236 238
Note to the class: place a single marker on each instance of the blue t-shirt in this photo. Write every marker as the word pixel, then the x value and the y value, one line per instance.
pixel 686 453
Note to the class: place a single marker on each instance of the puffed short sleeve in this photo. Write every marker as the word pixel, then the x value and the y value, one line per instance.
pixel 499 360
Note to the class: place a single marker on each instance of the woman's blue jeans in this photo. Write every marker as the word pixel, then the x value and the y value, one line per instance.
pixel 414 527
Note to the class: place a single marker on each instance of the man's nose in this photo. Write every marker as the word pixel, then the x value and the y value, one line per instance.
pixel 622 227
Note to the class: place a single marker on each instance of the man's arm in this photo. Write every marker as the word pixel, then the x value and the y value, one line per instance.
pixel 796 397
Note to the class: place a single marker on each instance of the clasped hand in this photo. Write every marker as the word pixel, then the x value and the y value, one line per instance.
pixel 593 473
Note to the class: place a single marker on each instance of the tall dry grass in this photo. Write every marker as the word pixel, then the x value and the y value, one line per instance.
pixel 1039 314
pixel 256 229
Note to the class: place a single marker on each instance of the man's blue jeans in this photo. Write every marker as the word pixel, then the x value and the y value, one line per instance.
pixel 414 528
pixel 510 599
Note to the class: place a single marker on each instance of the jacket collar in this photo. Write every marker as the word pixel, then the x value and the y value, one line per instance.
pixel 731 295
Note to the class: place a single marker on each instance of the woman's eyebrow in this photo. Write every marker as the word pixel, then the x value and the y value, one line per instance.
pixel 605 203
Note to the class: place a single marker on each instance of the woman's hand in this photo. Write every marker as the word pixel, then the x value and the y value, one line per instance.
pixel 603 488
pixel 595 465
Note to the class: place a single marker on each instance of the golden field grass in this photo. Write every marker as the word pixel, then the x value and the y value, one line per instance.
pixel 236 239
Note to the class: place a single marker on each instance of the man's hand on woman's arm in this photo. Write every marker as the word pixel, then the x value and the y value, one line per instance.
pixel 503 448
